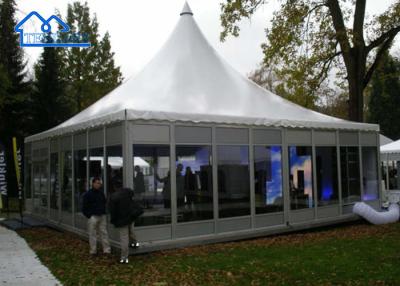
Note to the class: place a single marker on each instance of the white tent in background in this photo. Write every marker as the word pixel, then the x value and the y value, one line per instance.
pixel 383 140
pixel 390 155
pixel 392 150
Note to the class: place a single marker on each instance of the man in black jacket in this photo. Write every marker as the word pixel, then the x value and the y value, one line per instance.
pixel 123 212
pixel 94 208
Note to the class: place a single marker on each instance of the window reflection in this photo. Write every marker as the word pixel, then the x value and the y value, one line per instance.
pixel 66 179
pixel 350 174
pixel 114 167
pixel 268 179
pixel 194 183
pixel 54 188
pixel 152 183
pixel 96 163
pixel 394 178
pixel 36 186
pixel 28 177
pixel 300 177
pixel 40 186
pixel 80 177
pixel 370 173
pixel 327 183
pixel 233 181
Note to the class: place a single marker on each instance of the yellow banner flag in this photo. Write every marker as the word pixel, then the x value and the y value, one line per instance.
pixel 17 162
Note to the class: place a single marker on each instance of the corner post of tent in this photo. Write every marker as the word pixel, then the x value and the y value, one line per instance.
pixel 387 171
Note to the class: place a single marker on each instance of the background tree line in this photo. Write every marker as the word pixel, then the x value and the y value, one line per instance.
pixel 64 81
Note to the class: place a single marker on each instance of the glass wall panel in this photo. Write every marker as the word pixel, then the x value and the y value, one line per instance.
pixel 194 183
pixel 37 203
pixel 268 179
pixel 28 178
pixel 96 163
pixel 370 173
pixel 80 178
pixel 66 181
pixel 233 181
pixel 115 163
pixel 40 187
pixel 300 177
pixel 54 187
pixel 393 167
pixel 327 183
pixel 152 184
pixel 383 173
pixel 44 184
pixel 350 174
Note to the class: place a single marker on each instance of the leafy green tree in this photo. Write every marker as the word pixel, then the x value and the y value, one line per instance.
pixel 325 99
pixel 90 72
pixel 49 104
pixel 309 39
pixel 14 98
pixel 14 88
pixel 4 86
pixel 384 103
pixel 269 78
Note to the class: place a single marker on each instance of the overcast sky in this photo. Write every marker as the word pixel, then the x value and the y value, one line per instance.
pixel 139 28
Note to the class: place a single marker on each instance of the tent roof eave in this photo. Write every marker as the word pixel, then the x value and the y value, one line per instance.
pixel 146 115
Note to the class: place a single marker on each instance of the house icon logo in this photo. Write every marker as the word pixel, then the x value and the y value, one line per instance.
pixel 46 38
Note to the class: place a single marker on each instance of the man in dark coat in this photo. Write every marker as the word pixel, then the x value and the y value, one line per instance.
pixel 123 212
pixel 94 208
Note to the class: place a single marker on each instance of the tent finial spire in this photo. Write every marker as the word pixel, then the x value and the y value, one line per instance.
pixel 186 10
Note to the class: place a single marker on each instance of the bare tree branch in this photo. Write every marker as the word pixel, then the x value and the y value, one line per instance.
pixel 340 28
pixel 358 24
pixel 377 42
pixel 325 68
pixel 386 45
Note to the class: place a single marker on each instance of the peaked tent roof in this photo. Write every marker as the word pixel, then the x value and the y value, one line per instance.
pixel 188 81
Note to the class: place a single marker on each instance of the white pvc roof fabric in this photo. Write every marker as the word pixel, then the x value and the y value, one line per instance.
pixel 187 81
pixel 383 140
pixel 391 151
pixel 393 147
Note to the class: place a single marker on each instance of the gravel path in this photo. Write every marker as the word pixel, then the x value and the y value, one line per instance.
pixel 19 265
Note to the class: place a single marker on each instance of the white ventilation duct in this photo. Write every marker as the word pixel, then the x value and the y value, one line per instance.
pixel 375 217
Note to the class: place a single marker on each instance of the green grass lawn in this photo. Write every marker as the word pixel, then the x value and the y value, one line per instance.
pixel 357 254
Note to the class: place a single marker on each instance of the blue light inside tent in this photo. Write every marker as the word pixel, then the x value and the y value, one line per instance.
pixel 244 155
pixel 370 197
pixel 327 192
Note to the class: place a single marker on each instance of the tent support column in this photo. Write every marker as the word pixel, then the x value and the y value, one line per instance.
pixel 127 154
pixel 387 172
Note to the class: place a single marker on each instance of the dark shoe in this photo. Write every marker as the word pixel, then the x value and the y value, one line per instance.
pixel 124 261
pixel 135 245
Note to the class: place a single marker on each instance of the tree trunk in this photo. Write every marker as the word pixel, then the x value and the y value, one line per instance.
pixel 355 78
pixel 356 101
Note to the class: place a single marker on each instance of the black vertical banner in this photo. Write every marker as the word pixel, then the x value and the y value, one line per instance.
pixel 3 178
pixel 18 169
